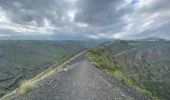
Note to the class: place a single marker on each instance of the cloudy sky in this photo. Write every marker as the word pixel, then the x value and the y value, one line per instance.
pixel 97 19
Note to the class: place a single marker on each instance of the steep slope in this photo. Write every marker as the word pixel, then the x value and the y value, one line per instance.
pixel 146 62
pixel 21 60
pixel 79 80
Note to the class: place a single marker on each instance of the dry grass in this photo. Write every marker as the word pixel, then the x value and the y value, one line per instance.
pixel 27 86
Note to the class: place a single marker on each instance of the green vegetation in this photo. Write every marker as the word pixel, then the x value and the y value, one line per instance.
pixel 143 65
pixel 148 65
pixel 116 47
pixel 103 61
pixel 22 60
pixel 146 62
pixel 30 85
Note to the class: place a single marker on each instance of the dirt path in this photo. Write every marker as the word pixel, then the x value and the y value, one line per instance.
pixel 80 80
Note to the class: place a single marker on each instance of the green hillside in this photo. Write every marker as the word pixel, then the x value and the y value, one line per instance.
pixel 147 63
pixel 22 60
pixel 143 65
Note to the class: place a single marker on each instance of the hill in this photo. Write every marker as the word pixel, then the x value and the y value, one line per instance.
pixel 146 63
pixel 143 66
pixel 22 59
pixel 75 79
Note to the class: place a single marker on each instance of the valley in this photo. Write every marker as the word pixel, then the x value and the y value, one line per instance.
pixel 140 67
pixel 21 60
pixel 147 63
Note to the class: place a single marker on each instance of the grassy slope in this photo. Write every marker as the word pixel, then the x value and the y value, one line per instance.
pixel 107 63
pixel 22 60
pixel 147 76
pixel 146 62
pixel 29 85
pixel 149 66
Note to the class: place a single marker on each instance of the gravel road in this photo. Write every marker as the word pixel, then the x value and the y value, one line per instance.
pixel 80 80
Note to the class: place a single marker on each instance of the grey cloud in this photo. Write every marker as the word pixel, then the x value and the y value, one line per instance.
pixel 101 16
pixel 160 32
pixel 153 6
pixel 26 11
pixel 152 17
pixel 99 12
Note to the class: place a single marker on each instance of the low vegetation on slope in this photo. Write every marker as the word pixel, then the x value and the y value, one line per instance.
pixel 27 86
pixel 147 62
pixel 103 61
pixel 149 66
pixel 22 60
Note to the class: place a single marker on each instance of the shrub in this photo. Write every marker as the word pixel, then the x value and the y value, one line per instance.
pixel 27 86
